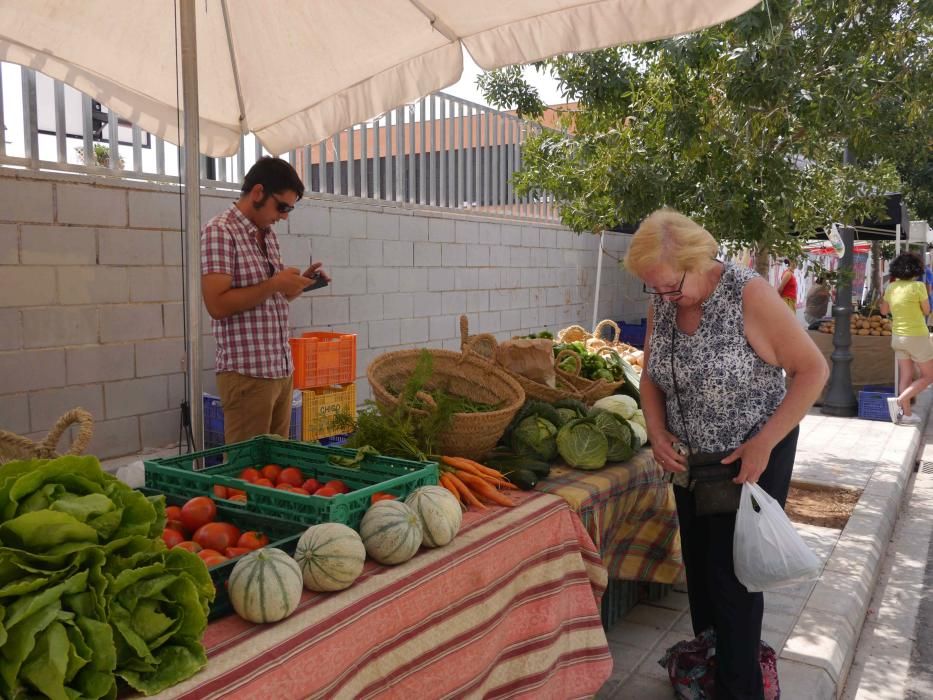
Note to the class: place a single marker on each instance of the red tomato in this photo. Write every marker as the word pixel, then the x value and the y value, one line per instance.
pixel 235 492
pixel 284 487
pixel 271 472
pixel 263 482
pixel 236 551
pixel 238 497
pixel 221 491
pixel 173 513
pixel 192 547
pixel 217 536
pixel 172 537
pixel 311 485
pixel 199 511
pixel 338 486
pixel 252 540
pixel 176 525
pixel 209 553
pixel 300 491
pixel 249 474
pixel 326 491
pixel 215 560
pixel 291 476
pixel 381 496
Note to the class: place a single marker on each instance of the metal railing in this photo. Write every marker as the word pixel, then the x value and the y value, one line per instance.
pixel 440 151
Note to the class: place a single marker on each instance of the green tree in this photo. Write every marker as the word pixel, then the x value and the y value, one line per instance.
pixel 743 126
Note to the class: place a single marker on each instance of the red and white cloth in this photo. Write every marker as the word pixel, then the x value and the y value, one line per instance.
pixel 253 342
pixel 509 609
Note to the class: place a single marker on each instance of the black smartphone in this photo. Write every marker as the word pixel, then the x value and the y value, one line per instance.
pixel 318 280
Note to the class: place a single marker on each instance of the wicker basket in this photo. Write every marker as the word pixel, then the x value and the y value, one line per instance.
pixel 470 434
pixel 15 447
pixel 592 389
pixel 483 347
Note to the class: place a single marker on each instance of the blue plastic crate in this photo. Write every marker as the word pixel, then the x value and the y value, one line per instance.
pixel 873 404
pixel 335 440
pixel 634 333
pixel 214 421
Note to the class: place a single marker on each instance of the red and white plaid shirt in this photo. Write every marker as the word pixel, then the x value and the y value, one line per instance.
pixel 252 342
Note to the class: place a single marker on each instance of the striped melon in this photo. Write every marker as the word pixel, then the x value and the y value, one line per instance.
pixel 331 557
pixel 265 585
pixel 391 532
pixel 439 512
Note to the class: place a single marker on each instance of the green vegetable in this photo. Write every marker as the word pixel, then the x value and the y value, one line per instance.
pixel 623 405
pixel 578 407
pixel 582 444
pixel 618 434
pixel 536 437
pixel 354 461
pixel 69 534
pixel 505 460
pixel 525 479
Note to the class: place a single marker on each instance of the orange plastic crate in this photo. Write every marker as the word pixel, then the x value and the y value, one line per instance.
pixel 320 407
pixel 323 359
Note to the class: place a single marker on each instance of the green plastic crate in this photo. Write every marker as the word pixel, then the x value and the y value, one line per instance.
pixel 282 534
pixel 186 476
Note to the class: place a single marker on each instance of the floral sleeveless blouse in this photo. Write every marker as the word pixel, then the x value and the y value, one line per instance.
pixel 727 391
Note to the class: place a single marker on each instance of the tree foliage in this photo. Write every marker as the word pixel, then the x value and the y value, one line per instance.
pixel 743 126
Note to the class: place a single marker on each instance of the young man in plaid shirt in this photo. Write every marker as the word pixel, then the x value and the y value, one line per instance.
pixel 246 290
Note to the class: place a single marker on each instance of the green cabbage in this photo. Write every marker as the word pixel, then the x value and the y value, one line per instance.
pixel 618 434
pixel 582 444
pixel 625 406
pixel 535 437
pixel 82 567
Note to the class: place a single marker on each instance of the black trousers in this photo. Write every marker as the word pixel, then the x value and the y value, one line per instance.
pixel 717 599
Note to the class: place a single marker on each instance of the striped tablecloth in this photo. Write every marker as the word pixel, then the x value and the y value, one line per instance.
pixel 509 609
pixel 629 513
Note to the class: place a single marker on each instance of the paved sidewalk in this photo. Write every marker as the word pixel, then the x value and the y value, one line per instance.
pixel 815 626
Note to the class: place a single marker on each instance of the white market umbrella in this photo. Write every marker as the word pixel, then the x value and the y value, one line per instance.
pixel 294 72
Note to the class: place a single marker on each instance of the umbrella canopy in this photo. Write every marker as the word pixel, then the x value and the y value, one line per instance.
pixel 294 72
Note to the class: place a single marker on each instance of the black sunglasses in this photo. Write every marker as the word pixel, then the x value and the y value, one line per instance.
pixel 283 207
pixel 672 293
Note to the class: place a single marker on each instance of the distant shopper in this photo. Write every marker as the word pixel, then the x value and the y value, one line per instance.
pixel 817 301
pixel 928 280
pixel 787 287
pixel 906 300
pixel 246 290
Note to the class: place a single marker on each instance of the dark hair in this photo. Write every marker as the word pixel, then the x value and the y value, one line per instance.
pixel 275 175
pixel 906 266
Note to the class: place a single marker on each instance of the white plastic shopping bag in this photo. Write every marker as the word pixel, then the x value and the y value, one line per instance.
pixel 766 550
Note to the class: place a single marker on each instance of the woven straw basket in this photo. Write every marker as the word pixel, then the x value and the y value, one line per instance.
pixel 592 389
pixel 15 447
pixel 470 435
pixel 483 347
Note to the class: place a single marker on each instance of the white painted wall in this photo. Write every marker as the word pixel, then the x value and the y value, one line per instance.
pixel 91 308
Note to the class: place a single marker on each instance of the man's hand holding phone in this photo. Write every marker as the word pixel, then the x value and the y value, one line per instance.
pixel 316 274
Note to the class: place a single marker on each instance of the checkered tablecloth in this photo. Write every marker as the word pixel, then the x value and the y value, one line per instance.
pixel 629 513
pixel 509 609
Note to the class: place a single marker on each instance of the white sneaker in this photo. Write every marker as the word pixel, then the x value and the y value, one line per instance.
pixel 893 409
pixel 909 420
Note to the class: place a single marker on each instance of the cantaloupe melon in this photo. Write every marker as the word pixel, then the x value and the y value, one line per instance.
pixel 391 532
pixel 331 557
pixel 265 585
pixel 439 512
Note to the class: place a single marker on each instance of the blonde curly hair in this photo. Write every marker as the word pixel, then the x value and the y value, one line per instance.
pixel 667 236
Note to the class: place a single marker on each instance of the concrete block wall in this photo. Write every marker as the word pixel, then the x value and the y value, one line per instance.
pixel 91 306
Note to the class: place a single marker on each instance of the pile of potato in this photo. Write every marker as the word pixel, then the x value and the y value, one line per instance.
pixel 861 325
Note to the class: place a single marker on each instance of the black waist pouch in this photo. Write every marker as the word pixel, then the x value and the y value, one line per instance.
pixel 711 483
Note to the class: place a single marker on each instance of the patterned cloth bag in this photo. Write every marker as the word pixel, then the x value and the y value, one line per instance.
pixel 691 665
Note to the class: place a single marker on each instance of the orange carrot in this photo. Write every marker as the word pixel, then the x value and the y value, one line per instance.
pixel 468 496
pixel 448 484
pixel 459 463
pixel 484 489
pixel 483 469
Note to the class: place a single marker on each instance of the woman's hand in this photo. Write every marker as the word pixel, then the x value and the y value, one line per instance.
pixel 754 455
pixel 665 454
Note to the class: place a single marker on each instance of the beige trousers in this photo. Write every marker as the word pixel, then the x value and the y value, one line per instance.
pixel 254 406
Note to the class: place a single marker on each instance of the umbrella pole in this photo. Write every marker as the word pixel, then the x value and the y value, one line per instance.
pixel 599 272
pixel 192 232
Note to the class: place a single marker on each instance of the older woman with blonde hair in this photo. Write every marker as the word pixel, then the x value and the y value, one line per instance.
pixel 719 342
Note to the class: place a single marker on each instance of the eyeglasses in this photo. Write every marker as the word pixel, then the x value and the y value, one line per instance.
pixel 664 295
pixel 283 207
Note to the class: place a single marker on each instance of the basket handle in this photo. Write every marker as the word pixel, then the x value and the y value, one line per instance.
pixel 483 345
pixel 575 356
pixel 427 399
pixel 574 330
pixel 608 323
pixel 86 431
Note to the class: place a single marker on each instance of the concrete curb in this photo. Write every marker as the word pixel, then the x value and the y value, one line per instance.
pixel 818 653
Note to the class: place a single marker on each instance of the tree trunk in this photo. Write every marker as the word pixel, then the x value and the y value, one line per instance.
pixel 763 262
pixel 874 290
